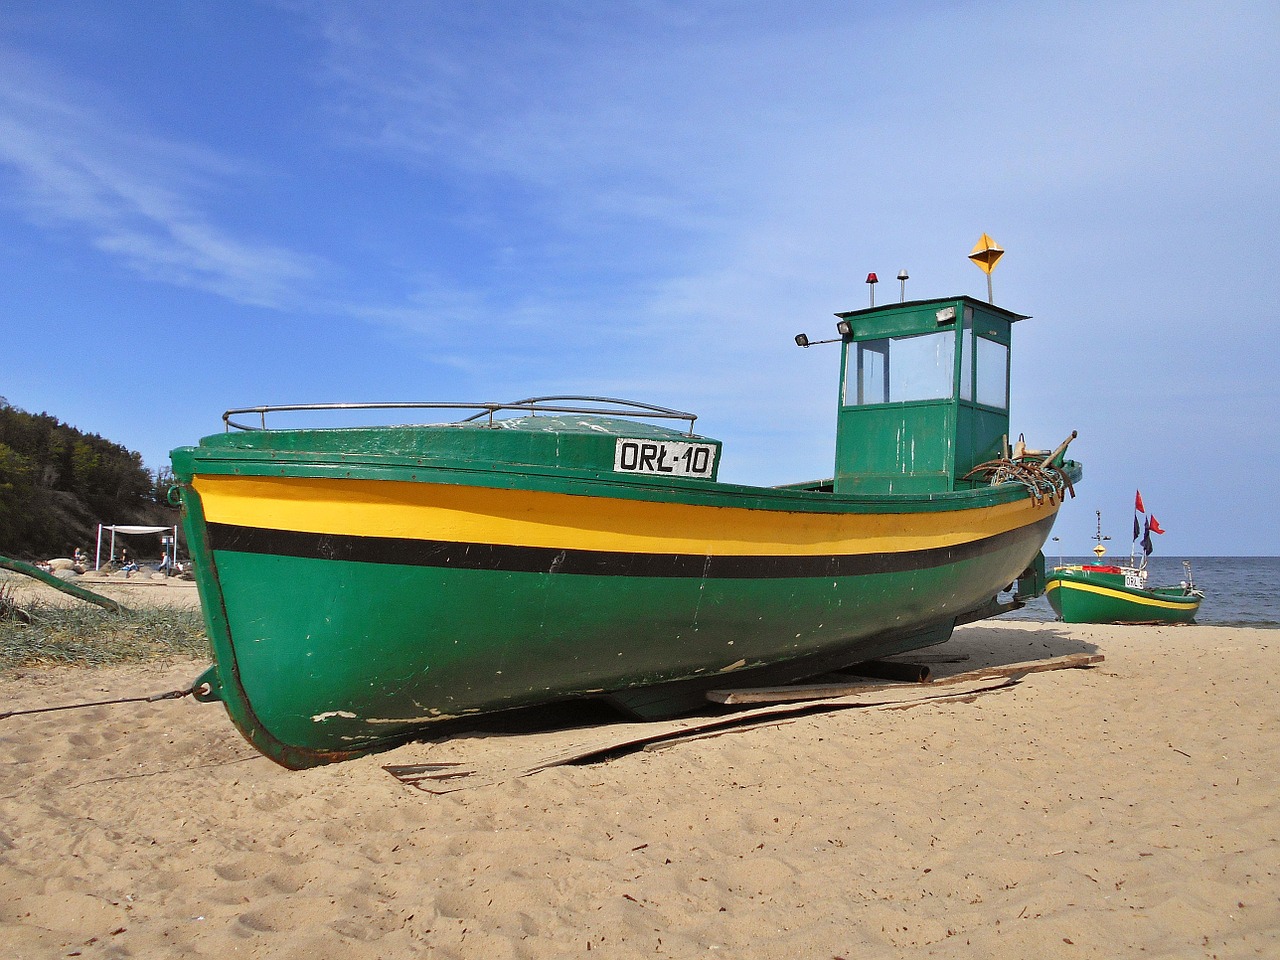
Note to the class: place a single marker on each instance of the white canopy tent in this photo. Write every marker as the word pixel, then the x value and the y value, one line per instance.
pixel 170 548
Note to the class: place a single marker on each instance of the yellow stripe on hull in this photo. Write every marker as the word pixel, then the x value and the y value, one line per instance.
pixel 428 511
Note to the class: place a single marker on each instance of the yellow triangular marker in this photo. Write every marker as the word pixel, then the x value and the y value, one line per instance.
pixel 985 253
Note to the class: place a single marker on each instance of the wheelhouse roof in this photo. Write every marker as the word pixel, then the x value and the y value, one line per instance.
pixel 969 301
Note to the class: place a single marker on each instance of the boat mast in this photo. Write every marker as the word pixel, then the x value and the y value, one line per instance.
pixel 1099 550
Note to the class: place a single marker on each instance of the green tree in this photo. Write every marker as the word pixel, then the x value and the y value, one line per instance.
pixel 15 496
pixel 56 482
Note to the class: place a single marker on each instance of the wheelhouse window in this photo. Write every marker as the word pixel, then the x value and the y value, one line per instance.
pixel 993 373
pixel 900 368
pixel 869 373
pixel 991 359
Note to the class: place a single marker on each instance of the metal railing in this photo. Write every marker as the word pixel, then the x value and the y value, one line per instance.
pixel 530 405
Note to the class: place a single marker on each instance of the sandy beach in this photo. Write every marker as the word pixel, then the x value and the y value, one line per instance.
pixel 1128 809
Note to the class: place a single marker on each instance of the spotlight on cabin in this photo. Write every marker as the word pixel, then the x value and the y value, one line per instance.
pixel 802 340
pixel 844 328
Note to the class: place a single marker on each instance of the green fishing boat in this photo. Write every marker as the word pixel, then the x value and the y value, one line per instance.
pixel 1112 593
pixel 362 584
pixel 1106 593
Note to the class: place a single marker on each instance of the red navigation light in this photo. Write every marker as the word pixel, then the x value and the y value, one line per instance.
pixel 872 278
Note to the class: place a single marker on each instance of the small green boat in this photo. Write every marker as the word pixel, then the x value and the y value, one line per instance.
pixel 362 584
pixel 1110 593
pixel 1096 593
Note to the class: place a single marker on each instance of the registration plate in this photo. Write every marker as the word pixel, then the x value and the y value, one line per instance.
pixel 668 457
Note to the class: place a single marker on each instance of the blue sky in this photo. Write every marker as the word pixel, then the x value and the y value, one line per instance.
pixel 214 205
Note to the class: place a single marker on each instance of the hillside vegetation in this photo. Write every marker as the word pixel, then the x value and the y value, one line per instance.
pixel 58 483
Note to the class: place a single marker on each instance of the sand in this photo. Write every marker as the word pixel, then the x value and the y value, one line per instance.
pixel 1125 810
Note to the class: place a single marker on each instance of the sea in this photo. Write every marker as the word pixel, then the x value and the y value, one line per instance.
pixel 1238 591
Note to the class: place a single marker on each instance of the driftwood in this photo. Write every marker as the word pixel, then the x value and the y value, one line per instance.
pixel 891 670
pixel 855 686
pixel 574 746
pixel 1072 661
pixel 917 657
pixel 80 593
pixel 580 745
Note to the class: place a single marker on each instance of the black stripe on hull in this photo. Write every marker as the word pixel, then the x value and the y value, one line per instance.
pixel 600 563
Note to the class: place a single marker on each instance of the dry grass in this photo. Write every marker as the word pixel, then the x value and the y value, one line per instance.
pixel 90 636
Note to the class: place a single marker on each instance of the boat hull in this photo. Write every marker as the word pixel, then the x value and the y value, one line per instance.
pixel 1081 597
pixel 349 612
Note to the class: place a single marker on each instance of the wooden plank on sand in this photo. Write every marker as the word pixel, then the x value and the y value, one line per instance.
pixel 855 687
pixel 578 745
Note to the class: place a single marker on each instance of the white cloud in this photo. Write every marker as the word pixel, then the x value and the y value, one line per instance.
pixel 131 194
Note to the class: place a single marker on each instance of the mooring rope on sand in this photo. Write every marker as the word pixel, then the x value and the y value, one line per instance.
pixel 154 698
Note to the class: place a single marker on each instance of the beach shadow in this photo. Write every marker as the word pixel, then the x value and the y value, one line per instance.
pixel 972 647
pixel 541 718
pixel 976 660
pixel 993 644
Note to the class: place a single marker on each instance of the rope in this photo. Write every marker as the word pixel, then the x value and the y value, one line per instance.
pixel 1042 482
pixel 154 698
